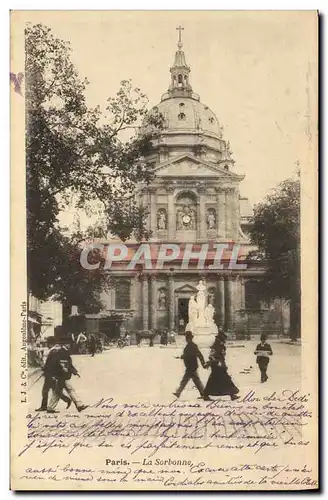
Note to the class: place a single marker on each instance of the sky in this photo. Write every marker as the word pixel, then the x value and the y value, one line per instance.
pixel 253 69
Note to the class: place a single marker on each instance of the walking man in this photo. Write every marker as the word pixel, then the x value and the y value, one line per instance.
pixel 189 356
pixel 64 369
pixel 50 372
pixel 92 345
pixel 263 352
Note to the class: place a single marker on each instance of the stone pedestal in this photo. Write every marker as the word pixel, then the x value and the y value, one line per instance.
pixel 203 335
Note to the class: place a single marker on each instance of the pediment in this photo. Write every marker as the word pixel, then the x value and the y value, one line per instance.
pixel 188 166
pixel 186 288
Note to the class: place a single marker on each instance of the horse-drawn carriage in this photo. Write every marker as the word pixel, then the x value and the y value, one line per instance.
pixel 165 336
pixel 148 335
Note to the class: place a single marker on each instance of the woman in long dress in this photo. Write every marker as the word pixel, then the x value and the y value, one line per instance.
pixel 219 382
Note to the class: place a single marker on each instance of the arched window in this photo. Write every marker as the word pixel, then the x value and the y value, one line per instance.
pixel 181 116
pixel 179 78
pixel 181 105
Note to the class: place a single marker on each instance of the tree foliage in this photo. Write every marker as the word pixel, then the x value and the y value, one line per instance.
pixel 276 232
pixel 72 149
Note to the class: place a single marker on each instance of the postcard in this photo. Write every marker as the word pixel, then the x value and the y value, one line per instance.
pixel 164 222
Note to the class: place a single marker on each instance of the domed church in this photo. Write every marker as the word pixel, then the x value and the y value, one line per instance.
pixel 195 200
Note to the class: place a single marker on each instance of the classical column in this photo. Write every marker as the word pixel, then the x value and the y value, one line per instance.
pixel 229 296
pixel 242 293
pixel 235 293
pixel 171 301
pixel 220 300
pixel 146 203
pixel 221 211
pixel 202 214
pixel 229 213
pixel 153 302
pixel 235 216
pixel 198 219
pixel 135 292
pixel 145 302
pixel 153 214
pixel 171 213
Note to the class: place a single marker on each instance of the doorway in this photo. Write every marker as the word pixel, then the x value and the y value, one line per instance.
pixel 110 327
pixel 182 314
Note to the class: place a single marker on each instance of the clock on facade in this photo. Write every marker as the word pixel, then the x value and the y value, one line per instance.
pixel 186 219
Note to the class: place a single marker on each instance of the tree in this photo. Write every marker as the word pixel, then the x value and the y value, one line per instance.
pixel 74 150
pixel 276 232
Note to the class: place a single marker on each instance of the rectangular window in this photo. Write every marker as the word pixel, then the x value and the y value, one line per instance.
pixel 122 294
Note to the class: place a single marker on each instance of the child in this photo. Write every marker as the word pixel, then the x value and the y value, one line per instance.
pixel 262 352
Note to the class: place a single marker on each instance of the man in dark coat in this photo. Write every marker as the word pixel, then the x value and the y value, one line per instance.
pixel 50 373
pixel 190 355
pixel 164 337
pixel 63 370
pixel 92 344
pixel 262 352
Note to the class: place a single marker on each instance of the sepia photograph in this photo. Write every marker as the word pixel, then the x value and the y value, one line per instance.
pixel 164 214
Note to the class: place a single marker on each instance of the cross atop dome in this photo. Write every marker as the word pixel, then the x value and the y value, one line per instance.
pixel 180 71
pixel 180 28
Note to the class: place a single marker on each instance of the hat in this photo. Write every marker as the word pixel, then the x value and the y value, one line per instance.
pixel 263 337
pixel 189 335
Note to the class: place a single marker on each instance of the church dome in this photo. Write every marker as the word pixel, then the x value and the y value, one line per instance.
pixel 189 126
pixel 180 106
pixel 187 113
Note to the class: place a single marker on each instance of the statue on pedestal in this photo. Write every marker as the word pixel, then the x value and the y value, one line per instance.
pixel 161 219
pixel 162 299
pixel 201 316
pixel 209 314
pixel 211 219
pixel 201 299
pixel 192 313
